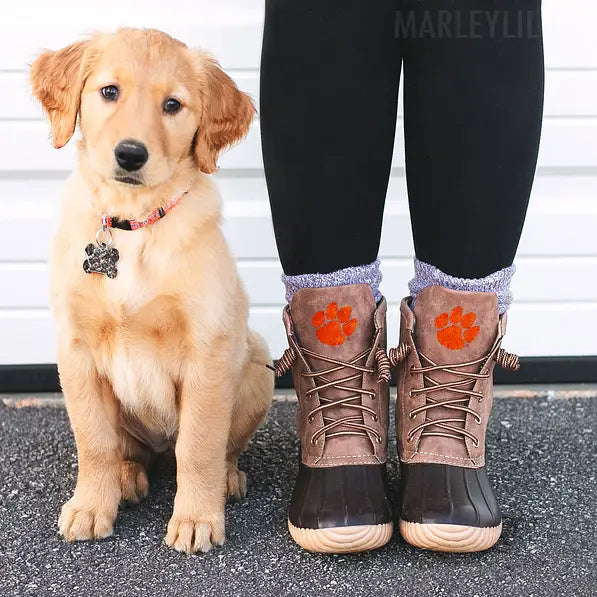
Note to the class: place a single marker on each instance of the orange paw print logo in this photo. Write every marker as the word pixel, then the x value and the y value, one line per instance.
pixel 460 332
pixel 334 325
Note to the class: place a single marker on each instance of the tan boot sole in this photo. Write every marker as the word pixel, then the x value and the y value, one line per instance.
pixel 449 537
pixel 342 539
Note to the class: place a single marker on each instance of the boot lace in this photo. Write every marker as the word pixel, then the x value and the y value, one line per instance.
pixel 354 369
pixel 445 426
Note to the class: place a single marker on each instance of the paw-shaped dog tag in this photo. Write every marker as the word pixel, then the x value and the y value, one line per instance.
pixel 101 259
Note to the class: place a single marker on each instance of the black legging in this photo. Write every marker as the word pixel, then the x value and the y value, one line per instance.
pixel 473 100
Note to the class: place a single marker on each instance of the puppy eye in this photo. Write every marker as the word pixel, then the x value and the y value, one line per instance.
pixel 171 106
pixel 110 93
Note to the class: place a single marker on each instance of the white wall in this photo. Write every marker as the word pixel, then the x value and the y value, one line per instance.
pixel 556 284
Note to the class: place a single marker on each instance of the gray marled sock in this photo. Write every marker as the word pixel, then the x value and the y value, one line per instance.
pixel 359 274
pixel 498 282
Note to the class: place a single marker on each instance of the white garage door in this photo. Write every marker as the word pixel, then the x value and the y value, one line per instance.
pixel 556 285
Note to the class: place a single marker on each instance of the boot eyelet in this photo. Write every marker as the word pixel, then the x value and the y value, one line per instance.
pixel 410 394
pixel 310 419
pixel 478 421
pixel 411 416
pixel 374 417
pixel 313 442
pixel 379 440
pixel 412 369
pixel 476 443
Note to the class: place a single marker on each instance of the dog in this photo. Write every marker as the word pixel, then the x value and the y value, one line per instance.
pixel 154 350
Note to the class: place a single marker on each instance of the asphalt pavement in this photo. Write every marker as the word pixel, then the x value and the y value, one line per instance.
pixel 542 461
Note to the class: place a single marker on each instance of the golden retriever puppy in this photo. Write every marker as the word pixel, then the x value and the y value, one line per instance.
pixel 153 345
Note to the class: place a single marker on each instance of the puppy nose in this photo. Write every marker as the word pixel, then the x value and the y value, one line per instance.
pixel 131 155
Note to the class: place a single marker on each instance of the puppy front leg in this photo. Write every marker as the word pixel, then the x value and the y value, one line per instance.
pixel 91 512
pixel 197 521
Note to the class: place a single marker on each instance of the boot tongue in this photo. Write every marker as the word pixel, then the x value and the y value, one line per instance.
pixel 337 322
pixel 455 326
pixel 452 327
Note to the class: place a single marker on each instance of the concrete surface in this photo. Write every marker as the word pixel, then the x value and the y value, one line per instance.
pixel 541 457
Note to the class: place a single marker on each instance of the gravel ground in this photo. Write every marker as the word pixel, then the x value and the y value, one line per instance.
pixel 541 455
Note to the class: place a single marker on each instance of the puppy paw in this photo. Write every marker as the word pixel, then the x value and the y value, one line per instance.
pixel 237 483
pixel 134 484
pixel 189 535
pixel 80 521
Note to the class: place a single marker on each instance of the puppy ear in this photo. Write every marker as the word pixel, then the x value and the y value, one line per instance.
pixel 226 113
pixel 57 80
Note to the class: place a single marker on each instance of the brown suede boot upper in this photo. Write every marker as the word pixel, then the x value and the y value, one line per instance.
pixel 339 425
pixel 446 328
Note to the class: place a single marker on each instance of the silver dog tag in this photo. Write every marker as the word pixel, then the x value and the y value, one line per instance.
pixel 101 257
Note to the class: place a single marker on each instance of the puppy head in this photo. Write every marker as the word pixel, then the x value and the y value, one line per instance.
pixel 147 103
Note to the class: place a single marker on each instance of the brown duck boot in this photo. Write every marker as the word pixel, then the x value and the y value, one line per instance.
pixel 449 344
pixel 341 372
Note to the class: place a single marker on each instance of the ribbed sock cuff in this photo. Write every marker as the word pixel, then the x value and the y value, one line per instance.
pixel 498 282
pixel 359 274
